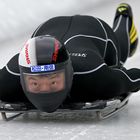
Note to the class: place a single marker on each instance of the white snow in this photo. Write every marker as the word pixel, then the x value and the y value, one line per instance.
pixel 18 21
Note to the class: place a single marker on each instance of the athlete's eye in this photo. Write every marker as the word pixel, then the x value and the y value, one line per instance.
pixel 53 83
pixel 35 84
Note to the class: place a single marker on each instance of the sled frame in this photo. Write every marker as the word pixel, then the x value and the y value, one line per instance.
pixel 100 112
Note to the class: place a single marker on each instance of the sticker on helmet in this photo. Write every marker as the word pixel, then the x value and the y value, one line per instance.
pixel 43 68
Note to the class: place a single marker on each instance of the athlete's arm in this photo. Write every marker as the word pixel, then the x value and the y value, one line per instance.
pixel 10 88
pixel 102 81
pixel 112 82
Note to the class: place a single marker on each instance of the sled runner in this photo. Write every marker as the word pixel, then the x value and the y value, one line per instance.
pixel 103 108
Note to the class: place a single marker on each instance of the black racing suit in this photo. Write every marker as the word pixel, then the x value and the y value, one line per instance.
pixel 97 53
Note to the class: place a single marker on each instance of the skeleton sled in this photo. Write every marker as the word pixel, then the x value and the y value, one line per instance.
pixel 103 108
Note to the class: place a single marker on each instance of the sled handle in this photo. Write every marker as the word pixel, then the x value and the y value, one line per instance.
pixel 100 115
pixel 5 118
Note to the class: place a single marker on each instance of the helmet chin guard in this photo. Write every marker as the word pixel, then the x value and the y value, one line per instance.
pixel 46 72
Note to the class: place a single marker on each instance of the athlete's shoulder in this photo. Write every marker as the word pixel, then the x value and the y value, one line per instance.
pixel 86 60
pixel 12 66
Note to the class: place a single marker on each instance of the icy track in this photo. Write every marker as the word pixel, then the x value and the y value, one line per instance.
pixel 18 21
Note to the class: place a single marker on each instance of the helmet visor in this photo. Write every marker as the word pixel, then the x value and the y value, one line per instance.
pixel 45 82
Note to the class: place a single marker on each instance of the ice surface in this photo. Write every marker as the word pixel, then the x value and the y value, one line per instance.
pixel 18 20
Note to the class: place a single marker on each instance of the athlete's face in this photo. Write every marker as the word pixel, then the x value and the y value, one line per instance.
pixel 45 83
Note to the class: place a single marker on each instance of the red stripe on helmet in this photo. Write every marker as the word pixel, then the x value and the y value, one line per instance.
pixel 27 54
pixel 55 54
